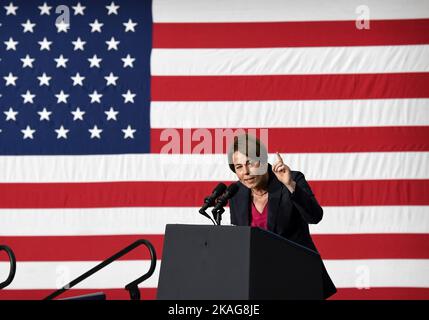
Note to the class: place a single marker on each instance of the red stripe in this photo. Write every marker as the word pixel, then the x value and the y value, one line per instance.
pixel 111 294
pixel 98 248
pixel 373 246
pixel 290 87
pixel 381 294
pixel 150 294
pixel 371 192
pixel 79 248
pixel 190 194
pixel 289 34
pixel 307 140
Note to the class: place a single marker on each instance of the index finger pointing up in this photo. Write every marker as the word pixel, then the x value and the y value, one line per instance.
pixel 279 158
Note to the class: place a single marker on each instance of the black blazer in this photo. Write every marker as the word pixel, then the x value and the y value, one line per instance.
pixel 288 214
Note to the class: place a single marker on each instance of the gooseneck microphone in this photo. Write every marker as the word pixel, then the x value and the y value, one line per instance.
pixel 222 201
pixel 210 200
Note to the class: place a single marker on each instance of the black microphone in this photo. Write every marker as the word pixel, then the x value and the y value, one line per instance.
pixel 223 200
pixel 210 200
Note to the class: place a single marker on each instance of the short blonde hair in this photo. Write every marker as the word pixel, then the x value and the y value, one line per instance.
pixel 250 146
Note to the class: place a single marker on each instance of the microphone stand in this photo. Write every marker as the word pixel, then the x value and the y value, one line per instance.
pixel 204 213
pixel 223 201
pixel 217 213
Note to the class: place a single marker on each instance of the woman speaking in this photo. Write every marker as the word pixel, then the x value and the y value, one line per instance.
pixel 274 197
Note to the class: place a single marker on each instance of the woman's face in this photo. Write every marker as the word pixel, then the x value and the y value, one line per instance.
pixel 247 170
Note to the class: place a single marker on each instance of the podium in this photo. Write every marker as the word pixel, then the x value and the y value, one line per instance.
pixel 202 262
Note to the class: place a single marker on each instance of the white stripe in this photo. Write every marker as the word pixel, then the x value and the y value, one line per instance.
pixel 54 275
pixel 379 273
pixel 344 273
pixel 120 221
pixel 208 167
pixel 373 219
pixel 291 114
pixel 284 10
pixel 100 221
pixel 278 61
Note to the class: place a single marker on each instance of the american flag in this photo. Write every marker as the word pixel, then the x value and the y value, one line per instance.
pixel 92 92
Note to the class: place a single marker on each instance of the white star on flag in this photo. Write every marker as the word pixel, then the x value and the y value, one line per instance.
pixel 44 79
pixel 62 132
pixel 130 25
pixel 28 26
pixel 112 44
pixel 77 79
pixel 62 26
pixel 78 9
pixel 78 44
pixel 95 96
pixel 112 9
pixel 45 44
pixel 45 9
pixel 96 26
pixel 111 114
pixel 44 114
pixel 129 97
pixel 62 97
pixel 27 61
pixel 95 132
pixel 61 61
pixel 28 133
pixel 10 79
pixel 94 61
pixel 28 97
pixel 129 132
pixel 111 79
pixel 11 9
pixel 10 44
pixel 77 114
pixel 128 61
pixel 10 114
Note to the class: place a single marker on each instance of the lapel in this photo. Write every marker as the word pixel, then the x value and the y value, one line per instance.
pixel 274 197
pixel 242 205
pixel 242 202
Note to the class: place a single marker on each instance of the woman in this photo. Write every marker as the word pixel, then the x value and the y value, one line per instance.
pixel 274 198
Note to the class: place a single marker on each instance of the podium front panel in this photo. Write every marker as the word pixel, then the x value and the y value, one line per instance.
pixel 205 263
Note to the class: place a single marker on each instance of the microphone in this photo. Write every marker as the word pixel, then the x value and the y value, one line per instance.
pixel 223 200
pixel 210 200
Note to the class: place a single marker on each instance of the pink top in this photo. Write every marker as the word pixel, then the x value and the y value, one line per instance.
pixel 259 219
